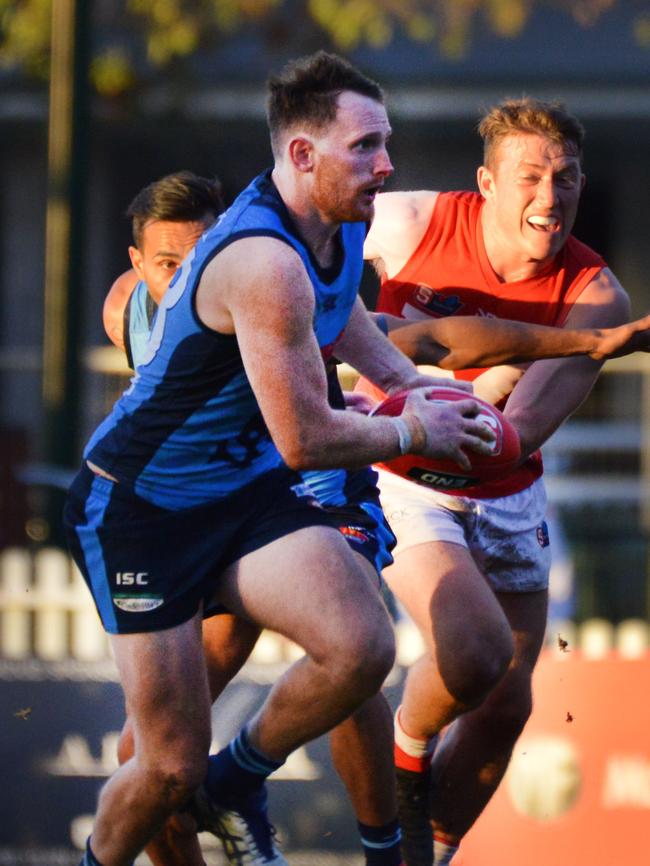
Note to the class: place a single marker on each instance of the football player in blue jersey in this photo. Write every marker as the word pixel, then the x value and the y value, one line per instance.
pixel 168 217
pixel 188 495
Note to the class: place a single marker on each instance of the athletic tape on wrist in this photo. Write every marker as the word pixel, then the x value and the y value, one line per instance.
pixel 405 438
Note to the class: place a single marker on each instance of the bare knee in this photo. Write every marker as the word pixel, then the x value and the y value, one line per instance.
pixel 176 778
pixel 174 765
pixel 508 708
pixel 476 664
pixel 362 659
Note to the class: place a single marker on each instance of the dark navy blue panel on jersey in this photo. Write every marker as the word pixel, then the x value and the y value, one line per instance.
pixel 189 429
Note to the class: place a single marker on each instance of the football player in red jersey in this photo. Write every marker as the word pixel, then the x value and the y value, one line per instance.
pixel 472 568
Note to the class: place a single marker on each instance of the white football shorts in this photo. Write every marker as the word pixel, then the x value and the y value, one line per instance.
pixel 507 536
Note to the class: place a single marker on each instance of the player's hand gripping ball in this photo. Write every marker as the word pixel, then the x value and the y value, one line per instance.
pixel 447 474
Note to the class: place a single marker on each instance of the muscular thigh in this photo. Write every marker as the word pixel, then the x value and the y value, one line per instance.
pixel 165 669
pixel 307 586
pixel 443 591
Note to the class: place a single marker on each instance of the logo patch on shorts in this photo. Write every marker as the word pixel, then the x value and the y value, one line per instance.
pixel 542 534
pixel 137 604
pixel 355 533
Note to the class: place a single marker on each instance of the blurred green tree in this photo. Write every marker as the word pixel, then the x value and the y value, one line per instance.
pixel 171 30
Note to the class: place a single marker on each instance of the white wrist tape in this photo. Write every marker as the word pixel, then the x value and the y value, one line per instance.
pixel 405 438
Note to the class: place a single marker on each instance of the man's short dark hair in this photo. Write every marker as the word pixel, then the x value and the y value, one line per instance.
pixel 307 89
pixel 179 197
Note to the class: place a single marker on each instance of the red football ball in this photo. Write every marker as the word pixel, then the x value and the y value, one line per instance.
pixel 447 474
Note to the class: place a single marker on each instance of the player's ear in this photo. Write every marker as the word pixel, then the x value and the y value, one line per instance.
pixel 301 153
pixel 484 180
pixel 136 260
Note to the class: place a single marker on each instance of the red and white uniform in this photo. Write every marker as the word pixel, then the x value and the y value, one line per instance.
pixel 449 274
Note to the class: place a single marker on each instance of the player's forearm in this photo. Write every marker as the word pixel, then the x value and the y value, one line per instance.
pixel 348 440
pixel 458 342
pixel 547 394
pixel 365 347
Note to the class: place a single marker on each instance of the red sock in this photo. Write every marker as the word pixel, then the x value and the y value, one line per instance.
pixel 411 753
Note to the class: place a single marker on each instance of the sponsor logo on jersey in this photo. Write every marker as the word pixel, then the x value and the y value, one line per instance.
pixel 243 449
pixel 137 603
pixel 436 303
pixel 441 480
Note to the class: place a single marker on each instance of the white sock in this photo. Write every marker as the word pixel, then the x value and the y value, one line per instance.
pixel 442 852
pixel 411 753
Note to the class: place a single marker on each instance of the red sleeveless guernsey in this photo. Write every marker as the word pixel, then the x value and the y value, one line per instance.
pixel 449 275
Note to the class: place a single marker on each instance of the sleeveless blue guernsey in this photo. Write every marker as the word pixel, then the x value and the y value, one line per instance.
pixel 331 486
pixel 189 429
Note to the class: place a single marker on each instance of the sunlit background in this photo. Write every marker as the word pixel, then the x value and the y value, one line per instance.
pixel 99 98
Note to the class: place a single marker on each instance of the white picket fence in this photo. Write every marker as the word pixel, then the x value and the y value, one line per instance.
pixel 45 608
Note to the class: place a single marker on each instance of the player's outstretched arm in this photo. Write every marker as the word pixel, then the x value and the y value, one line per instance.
pixel 458 342
pixel 115 304
pixel 258 289
pixel 365 347
pixel 551 390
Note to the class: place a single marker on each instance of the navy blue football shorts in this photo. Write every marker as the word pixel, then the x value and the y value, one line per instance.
pixel 149 568
pixel 366 531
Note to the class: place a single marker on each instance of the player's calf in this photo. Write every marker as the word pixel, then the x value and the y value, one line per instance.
pixel 412 770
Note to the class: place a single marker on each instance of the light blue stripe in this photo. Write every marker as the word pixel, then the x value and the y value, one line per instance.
pixel 387 843
pixel 247 761
pixel 93 554
pixel 383 536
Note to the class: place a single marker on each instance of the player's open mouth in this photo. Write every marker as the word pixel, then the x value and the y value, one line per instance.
pixel 544 223
pixel 371 192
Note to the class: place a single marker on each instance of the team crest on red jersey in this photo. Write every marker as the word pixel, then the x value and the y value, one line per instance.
pixel 435 303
